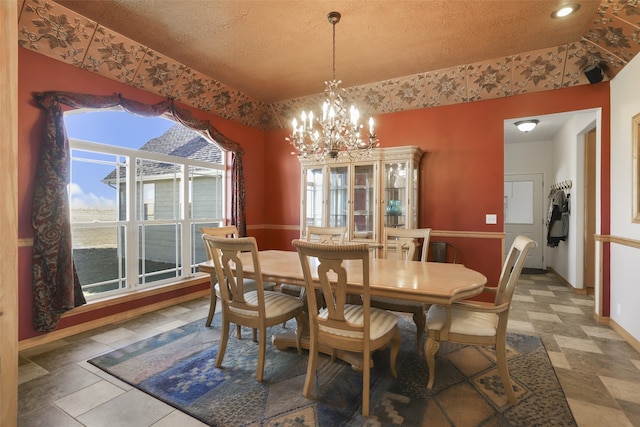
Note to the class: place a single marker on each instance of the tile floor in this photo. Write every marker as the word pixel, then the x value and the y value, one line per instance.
pixel 598 370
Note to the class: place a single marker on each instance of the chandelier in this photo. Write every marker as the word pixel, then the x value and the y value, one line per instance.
pixel 339 128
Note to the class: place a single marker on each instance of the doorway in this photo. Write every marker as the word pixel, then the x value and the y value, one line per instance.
pixel 589 265
pixel 523 202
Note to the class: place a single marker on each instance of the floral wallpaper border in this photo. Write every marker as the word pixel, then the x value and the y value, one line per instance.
pixel 612 40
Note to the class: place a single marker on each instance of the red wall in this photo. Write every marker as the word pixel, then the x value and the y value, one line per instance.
pixel 462 171
pixel 38 73
pixel 461 176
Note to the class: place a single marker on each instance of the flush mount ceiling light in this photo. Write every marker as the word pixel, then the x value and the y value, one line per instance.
pixel 526 125
pixel 565 10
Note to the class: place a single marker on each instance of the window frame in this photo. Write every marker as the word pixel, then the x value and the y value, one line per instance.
pixel 184 223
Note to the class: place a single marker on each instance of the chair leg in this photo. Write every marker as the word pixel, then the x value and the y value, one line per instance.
pixel 299 331
pixel 212 307
pixel 503 369
pixel 223 343
pixel 431 347
pixel 420 319
pixel 395 349
pixel 311 367
pixel 366 383
pixel 262 348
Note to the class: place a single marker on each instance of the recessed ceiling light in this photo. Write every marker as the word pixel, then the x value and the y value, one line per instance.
pixel 565 10
pixel 526 125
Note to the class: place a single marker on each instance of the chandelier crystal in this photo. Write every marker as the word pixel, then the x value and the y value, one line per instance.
pixel 339 128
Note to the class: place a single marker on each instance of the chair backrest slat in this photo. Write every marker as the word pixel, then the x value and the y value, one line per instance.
pixel 512 267
pixel 327 235
pixel 226 231
pixel 404 242
pixel 227 264
pixel 330 276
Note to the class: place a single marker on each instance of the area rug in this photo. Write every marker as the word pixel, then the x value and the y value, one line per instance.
pixel 177 367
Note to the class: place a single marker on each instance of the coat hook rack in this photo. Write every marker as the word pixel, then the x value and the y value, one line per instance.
pixel 562 185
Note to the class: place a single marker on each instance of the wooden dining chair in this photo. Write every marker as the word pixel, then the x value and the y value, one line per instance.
pixel 443 252
pixel 401 244
pixel 227 231
pixel 338 325
pixel 258 309
pixel 477 322
pixel 326 235
pixel 332 235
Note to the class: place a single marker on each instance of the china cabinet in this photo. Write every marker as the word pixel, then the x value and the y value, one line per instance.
pixel 364 195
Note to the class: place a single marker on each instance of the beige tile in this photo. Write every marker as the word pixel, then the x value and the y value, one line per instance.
pixel 112 336
pixel 542 293
pixel 113 55
pixel 113 380
pixel 88 398
pixel 558 360
pixel 548 317
pixel 489 79
pixel 600 332
pixel 622 390
pixel 447 86
pixel 131 409
pixel 584 302
pixel 172 311
pixel 636 363
pixel 590 415
pixel 88 366
pixel 55 31
pixel 518 325
pixel 577 344
pixel 177 418
pixel 30 371
pixel 44 348
pixel 537 71
pixel 616 37
pixel 170 325
pixel 523 298
pixel 565 309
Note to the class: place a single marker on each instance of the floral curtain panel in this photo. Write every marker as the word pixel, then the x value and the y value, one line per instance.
pixel 56 287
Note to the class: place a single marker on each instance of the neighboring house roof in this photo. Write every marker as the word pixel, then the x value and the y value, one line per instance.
pixel 178 141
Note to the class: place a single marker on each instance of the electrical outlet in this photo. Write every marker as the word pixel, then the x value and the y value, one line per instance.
pixel 492 219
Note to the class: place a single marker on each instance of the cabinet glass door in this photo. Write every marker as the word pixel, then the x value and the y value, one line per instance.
pixel 364 202
pixel 338 196
pixel 314 206
pixel 395 195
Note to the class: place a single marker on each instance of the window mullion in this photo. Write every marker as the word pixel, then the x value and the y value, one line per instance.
pixel 133 232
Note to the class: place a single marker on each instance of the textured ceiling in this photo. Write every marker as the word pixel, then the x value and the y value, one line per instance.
pixel 261 63
pixel 278 50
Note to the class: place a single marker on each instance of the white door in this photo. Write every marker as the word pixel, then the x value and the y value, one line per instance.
pixel 524 213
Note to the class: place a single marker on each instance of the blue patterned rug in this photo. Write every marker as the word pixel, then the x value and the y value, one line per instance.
pixel 177 367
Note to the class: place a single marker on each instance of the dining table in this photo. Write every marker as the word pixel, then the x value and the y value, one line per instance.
pixel 426 282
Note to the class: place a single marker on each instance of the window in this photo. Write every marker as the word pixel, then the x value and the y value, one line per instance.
pixel 138 199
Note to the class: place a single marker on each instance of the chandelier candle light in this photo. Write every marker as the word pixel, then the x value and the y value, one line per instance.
pixel 339 128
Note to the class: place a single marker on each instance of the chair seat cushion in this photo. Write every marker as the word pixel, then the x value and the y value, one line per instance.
pixel 463 321
pixel 275 304
pixel 381 321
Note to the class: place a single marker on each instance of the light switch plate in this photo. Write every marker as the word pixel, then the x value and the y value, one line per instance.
pixel 492 219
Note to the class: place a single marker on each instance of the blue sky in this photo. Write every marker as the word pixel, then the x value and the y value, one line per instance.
pixel 107 127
